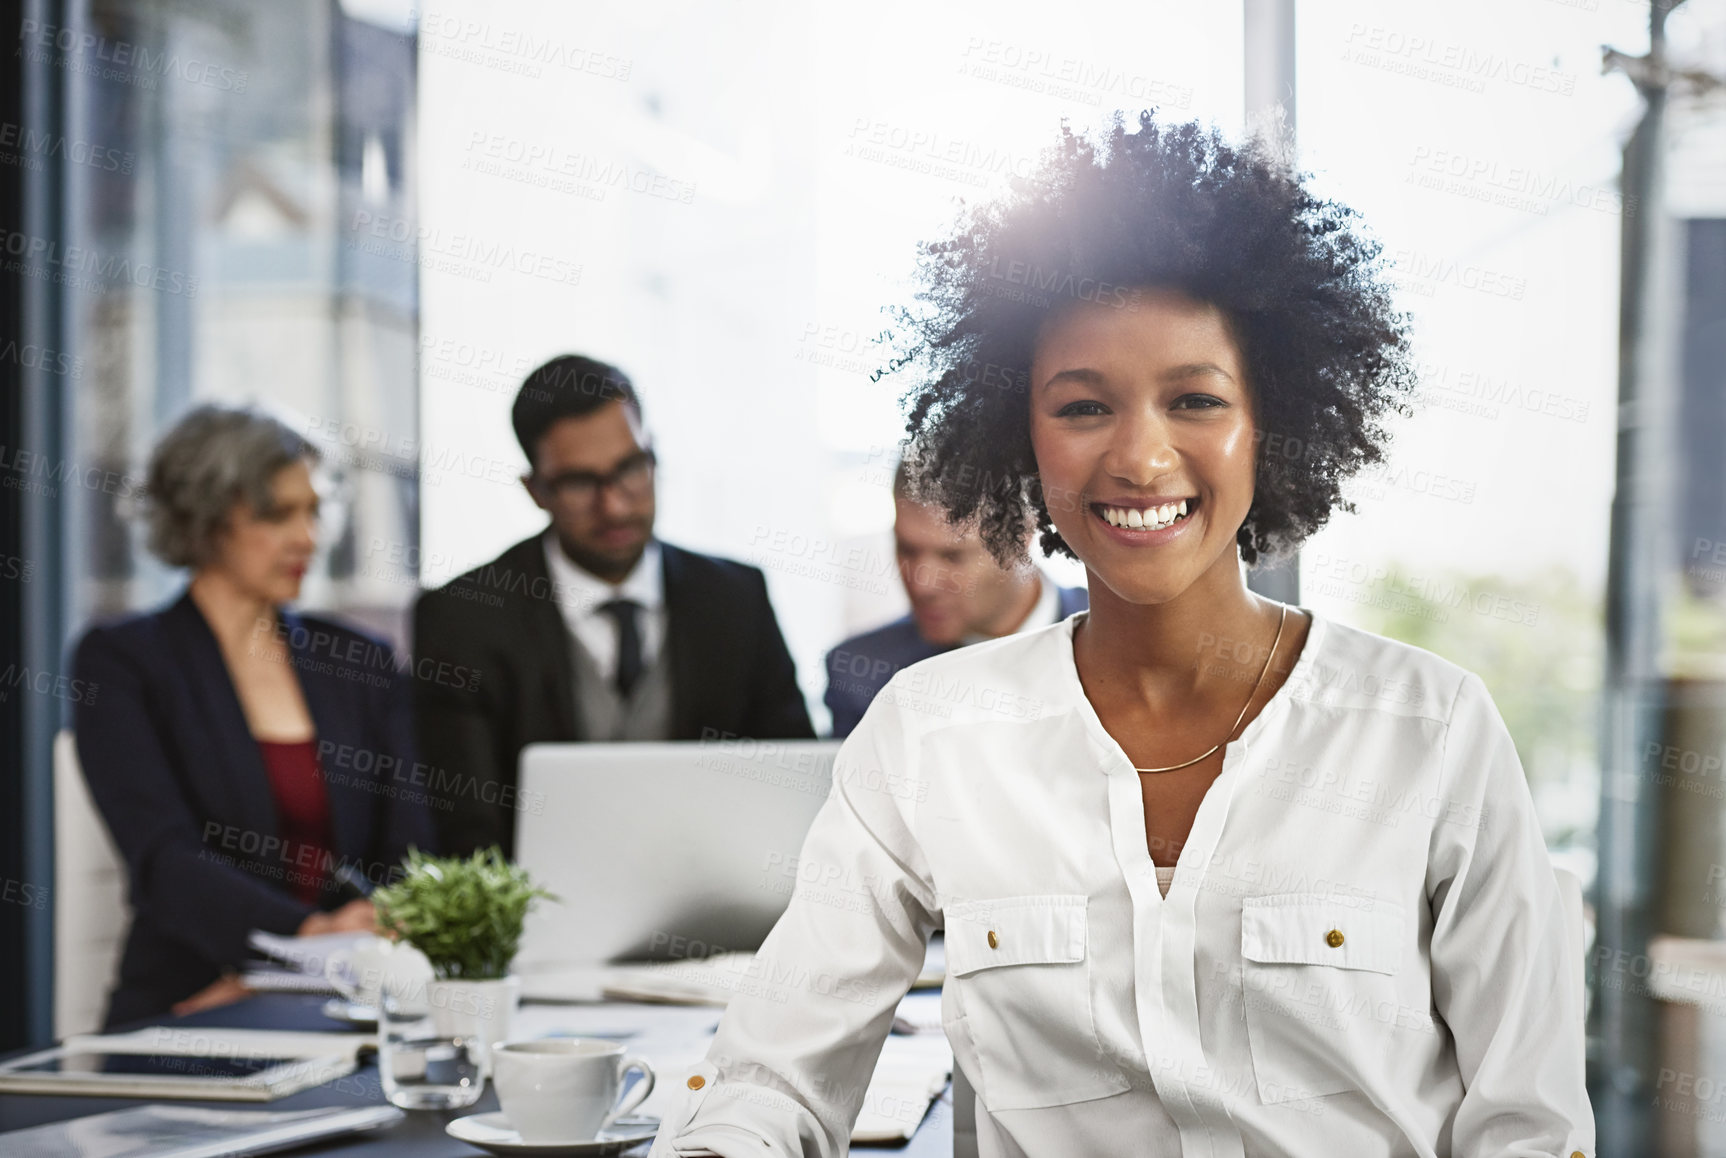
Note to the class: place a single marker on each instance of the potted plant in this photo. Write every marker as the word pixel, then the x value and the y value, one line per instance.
pixel 466 916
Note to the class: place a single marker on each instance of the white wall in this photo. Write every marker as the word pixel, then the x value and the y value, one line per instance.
pixel 743 313
pixel 818 144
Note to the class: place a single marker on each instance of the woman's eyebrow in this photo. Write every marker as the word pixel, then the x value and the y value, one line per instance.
pixel 1084 376
pixel 1195 370
pixel 1080 376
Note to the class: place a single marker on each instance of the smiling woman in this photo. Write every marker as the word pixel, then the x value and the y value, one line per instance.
pixel 1248 881
pixel 1293 287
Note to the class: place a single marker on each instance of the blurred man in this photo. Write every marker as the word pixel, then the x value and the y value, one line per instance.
pixel 593 629
pixel 959 595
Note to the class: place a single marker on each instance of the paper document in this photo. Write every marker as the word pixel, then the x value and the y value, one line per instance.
pixel 267 980
pixel 301 961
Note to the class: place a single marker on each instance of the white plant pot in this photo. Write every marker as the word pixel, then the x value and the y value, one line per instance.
pixel 478 1009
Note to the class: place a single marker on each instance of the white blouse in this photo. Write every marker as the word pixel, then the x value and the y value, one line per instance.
pixel 1363 951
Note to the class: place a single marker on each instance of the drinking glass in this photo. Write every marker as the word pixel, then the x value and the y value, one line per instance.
pixel 423 1066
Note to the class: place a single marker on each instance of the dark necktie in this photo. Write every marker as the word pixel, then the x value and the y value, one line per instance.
pixel 628 642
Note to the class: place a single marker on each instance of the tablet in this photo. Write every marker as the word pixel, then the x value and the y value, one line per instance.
pixel 74 1069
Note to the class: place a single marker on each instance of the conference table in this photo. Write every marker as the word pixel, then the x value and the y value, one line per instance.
pixel 421 1135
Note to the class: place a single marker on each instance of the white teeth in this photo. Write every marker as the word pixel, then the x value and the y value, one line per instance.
pixel 1154 519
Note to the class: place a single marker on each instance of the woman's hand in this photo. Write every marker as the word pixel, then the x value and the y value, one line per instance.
pixel 224 990
pixel 353 917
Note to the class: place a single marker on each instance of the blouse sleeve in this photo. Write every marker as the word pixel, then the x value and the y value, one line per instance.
pixel 796 1048
pixel 1503 977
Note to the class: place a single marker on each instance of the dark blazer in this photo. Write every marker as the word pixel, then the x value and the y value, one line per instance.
pixel 861 666
pixel 180 781
pixel 730 673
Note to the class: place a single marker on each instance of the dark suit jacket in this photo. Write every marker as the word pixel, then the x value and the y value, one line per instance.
pixel 861 666
pixel 730 673
pixel 180 781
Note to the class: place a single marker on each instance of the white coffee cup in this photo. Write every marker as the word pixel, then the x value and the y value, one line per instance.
pixel 564 1089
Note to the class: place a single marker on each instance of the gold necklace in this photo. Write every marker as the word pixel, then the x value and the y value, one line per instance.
pixel 1172 767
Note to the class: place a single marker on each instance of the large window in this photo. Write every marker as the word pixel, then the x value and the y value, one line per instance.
pixel 226 154
pixel 187 185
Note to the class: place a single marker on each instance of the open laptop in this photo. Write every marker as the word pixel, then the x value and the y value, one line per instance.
pixel 663 851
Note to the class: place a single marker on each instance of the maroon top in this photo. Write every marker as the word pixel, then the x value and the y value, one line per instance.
pixel 303 812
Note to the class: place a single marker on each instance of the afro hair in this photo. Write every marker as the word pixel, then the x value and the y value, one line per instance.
pixel 1171 208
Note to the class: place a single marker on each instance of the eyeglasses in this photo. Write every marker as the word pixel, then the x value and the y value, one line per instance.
pixel 631 477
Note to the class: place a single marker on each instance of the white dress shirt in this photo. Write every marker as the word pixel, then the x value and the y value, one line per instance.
pixel 1045 611
pixel 1363 952
pixel 580 594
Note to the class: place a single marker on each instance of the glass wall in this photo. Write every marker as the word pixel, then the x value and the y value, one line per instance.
pixel 235 154
pixel 196 183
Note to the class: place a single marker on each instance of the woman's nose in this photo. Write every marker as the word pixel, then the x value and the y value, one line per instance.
pixel 1141 451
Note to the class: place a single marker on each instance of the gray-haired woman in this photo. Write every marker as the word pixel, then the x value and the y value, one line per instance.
pixel 252 764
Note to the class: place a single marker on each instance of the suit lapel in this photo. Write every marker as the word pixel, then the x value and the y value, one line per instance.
pixel 230 768
pixel 547 635
pixel 684 642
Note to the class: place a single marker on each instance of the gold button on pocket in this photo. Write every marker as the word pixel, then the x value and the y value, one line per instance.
pixel 696 1082
pixel 1302 979
pixel 1019 981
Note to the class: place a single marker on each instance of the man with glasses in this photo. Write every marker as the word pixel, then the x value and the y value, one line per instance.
pixel 593 629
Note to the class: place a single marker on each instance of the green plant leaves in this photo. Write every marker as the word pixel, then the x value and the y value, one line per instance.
pixel 466 916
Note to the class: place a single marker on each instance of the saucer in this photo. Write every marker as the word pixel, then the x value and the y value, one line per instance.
pixel 494 1133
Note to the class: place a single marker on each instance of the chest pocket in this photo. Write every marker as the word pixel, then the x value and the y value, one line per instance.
pixel 1022 975
pixel 1317 983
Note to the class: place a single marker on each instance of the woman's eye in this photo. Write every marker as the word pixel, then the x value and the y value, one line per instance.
pixel 1198 402
pixel 1084 409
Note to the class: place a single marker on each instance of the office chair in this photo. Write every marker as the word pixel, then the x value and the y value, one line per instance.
pixel 91 915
